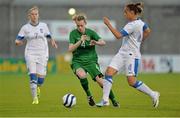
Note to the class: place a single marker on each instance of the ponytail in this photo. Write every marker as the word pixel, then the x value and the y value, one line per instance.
pixel 136 7
pixel 140 7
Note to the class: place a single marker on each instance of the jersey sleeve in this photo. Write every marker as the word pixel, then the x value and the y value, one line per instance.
pixel 128 29
pixel 145 27
pixel 47 32
pixel 21 34
pixel 95 36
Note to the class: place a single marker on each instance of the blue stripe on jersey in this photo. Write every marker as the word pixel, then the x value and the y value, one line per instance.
pixel 136 61
pixel 20 37
pixel 145 26
pixel 48 36
pixel 123 32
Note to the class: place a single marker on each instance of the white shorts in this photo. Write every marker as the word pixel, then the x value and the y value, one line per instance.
pixel 125 62
pixel 36 64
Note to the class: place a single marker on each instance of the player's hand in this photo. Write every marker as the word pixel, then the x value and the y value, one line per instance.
pixel 18 42
pixel 83 37
pixel 93 42
pixel 106 20
pixel 54 44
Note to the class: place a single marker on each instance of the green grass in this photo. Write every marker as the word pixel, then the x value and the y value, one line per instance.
pixel 15 97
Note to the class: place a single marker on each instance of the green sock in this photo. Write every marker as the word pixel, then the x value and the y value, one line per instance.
pixel 111 96
pixel 84 84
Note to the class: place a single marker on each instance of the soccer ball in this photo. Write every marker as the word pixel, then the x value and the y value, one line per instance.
pixel 69 100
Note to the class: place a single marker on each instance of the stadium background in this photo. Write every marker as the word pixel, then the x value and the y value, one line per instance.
pixel 161 15
pixel 160 50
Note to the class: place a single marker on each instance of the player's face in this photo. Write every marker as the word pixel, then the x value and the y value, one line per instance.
pixel 128 14
pixel 34 16
pixel 81 25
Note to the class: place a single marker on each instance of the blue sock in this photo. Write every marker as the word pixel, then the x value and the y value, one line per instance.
pixel 109 78
pixel 40 81
pixel 137 84
pixel 33 84
pixel 33 78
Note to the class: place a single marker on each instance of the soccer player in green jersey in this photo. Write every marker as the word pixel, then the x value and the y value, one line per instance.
pixel 82 43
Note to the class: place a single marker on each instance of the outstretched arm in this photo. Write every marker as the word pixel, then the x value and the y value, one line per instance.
pixel 115 32
pixel 100 42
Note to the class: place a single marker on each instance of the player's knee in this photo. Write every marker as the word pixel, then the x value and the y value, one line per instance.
pixel 131 81
pixel 110 71
pixel 131 84
pixel 81 75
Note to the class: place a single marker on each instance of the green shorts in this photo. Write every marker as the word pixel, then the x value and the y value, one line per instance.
pixel 93 69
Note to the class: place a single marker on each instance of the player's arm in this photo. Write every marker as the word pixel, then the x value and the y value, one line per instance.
pixel 49 37
pixel 146 33
pixel 115 32
pixel 53 43
pixel 100 42
pixel 73 47
pixel 19 42
pixel 20 39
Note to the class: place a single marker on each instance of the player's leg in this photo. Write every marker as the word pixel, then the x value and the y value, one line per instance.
pixel 131 72
pixel 81 74
pixel 84 83
pixel 115 65
pixel 100 81
pixel 107 85
pixel 33 85
pixel 41 73
pixel 96 75
pixel 40 81
pixel 39 84
pixel 31 66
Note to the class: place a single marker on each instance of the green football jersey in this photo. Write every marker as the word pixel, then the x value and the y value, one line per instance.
pixel 85 53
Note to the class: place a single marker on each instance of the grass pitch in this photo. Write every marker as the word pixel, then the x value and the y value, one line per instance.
pixel 15 97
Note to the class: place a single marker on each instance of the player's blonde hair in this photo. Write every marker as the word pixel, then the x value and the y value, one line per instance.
pixel 31 9
pixel 79 17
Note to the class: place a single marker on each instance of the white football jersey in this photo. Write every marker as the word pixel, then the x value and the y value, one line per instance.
pixel 36 37
pixel 132 37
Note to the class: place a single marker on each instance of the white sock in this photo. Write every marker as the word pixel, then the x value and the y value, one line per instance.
pixel 107 84
pixel 33 89
pixel 145 89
